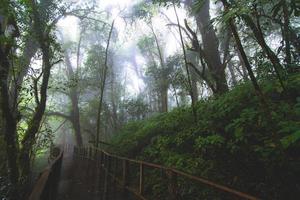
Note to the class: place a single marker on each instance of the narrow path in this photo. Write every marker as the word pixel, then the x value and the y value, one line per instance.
pixel 66 176
pixel 78 179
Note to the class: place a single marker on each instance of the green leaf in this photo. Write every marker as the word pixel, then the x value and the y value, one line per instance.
pixel 290 139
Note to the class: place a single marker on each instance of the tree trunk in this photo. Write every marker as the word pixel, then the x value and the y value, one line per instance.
pixel 30 49
pixel 226 56
pixel 286 34
pixel 76 119
pixel 34 124
pixel 186 67
pixel 266 49
pixel 243 54
pixel 75 114
pixel 175 95
pixel 7 115
pixel 102 86
pixel 8 123
pixel 210 47
pixel 113 101
pixel 243 66
pixel 164 98
pixel 163 76
pixel 194 81
pixel 232 74
pixel 295 40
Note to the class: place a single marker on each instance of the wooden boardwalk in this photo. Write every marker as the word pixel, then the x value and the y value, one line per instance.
pixel 88 173
pixel 81 179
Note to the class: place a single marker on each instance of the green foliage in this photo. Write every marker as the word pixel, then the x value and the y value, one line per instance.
pixel 136 108
pixel 289 140
pixel 234 141
pixel 144 10
pixel 212 140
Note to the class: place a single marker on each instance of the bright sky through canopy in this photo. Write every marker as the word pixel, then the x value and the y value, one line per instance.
pixel 69 27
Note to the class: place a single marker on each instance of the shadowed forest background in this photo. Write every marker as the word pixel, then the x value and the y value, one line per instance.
pixel 209 87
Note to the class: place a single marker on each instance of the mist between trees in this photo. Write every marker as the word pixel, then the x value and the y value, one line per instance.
pixel 83 71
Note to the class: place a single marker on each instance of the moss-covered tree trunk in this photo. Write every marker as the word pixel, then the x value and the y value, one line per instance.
pixel 35 122
pixel 8 116
pixel 8 120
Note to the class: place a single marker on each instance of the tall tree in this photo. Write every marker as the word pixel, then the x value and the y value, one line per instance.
pixel 186 66
pixel 8 117
pixel 102 85
pixel 210 43
pixel 44 41
pixel 73 94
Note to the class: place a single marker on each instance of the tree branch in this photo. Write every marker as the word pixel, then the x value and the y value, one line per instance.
pixel 182 28
pixel 58 114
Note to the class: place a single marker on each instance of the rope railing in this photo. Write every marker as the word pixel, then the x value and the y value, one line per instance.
pixel 119 170
pixel 45 187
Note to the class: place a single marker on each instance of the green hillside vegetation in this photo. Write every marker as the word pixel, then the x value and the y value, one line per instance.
pixel 234 140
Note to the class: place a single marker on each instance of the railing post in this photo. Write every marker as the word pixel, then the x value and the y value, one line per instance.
pixel 74 151
pixel 172 185
pixel 106 179
pixel 90 153
pixel 101 170
pixel 85 152
pixel 141 188
pixel 101 159
pixel 125 178
pixel 95 155
pixel 114 181
pixel 87 165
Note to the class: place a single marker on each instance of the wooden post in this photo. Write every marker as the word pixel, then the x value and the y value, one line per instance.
pixel 75 153
pixel 125 177
pixel 90 168
pixel 114 181
pixel 101 159
pixel 116 168
pixel 172 185
pixel 95 155
pixel 141 188
pixel 106 179
pixel 84 153
pixel 101 170
pixel 96 168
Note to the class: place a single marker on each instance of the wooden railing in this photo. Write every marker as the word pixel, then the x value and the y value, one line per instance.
pixel 119 170
pixel 45 187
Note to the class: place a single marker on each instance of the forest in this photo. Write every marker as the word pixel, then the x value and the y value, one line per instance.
pixel 208 87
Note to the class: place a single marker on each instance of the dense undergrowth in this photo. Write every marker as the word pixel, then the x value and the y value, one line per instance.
pixel 235 141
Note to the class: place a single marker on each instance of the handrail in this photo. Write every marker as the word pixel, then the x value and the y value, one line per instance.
pixel 46 185
pixel 92 153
